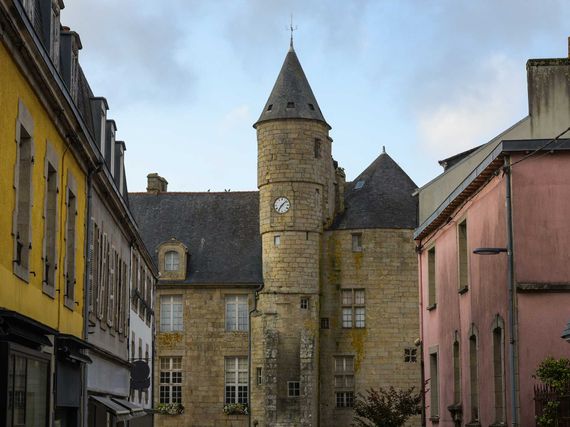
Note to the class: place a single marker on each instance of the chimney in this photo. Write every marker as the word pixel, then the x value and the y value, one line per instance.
pixel 339 186
pixel 548 100
pixel 156 184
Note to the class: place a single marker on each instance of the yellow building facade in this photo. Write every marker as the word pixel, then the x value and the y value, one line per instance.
pixel 20 104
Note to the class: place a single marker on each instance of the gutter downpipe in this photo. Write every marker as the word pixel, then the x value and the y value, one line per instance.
pixel 86 283
pixel 255 296
pixel 421 343
pixel 510 278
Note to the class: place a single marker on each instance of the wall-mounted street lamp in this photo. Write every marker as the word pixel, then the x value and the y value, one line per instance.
pixel 489 251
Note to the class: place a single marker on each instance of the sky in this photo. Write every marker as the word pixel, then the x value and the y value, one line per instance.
pixel 186 79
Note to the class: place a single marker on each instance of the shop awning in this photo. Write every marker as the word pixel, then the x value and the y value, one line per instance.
pixel 120 408
pixel 116 409
pixel 18 327
pixel 136 411
pixel 70 347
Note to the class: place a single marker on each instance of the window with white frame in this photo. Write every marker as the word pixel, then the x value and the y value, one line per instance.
pixel 171 261
pixel 344 381
pixel 293 389
pixel 170 313
pixel 236 313
pixel 170 380
pixel 236 380
pixel 353 308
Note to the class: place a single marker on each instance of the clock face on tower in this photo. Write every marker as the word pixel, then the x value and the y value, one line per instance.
pixel 282 205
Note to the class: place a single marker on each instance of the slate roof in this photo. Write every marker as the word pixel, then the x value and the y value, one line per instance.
pixel 291 90
pixel 221 231
pixel 384 200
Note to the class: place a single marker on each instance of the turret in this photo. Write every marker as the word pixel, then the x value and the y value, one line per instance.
pixel 295 179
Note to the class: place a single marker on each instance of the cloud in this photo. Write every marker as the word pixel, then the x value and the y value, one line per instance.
pixel 474 113
pixel 135 45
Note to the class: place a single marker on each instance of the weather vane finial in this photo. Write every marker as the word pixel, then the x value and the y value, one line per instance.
pixel 291 28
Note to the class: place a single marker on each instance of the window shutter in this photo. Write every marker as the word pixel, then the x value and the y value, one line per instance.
pixel 90 257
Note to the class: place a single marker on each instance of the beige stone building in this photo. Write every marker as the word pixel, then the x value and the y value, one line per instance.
pixel 277 307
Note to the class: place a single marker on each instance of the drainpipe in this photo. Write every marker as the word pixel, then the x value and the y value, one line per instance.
pixel 512 295
pixel 420 344
pixel 86 283
pixel 257 290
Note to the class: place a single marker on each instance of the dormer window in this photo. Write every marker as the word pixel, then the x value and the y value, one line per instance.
pixel 290 105
pixel 171 261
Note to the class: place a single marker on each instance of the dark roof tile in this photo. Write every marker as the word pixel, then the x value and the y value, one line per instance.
pixel 292 96
pixel 221 231
pixel 381 197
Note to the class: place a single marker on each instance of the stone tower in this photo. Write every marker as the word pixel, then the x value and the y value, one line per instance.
pixel 295 181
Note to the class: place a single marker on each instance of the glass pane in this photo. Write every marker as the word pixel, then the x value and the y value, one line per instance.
pixel 176 363
pixel 19 390
pixel 242 363
pixel 359 297
pixel 230 377
pixel 349 364
pixel 347 317
pixel 359 317
pixel 165 377
pixel 347 297
pixel 36 393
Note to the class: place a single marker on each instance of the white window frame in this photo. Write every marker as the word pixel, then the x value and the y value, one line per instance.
pixel 171 263
pixel 173 301
pixel 232 369
pixel 353 303
pixel 344 381
pixel 293 389
pixel 170 380
pixel 237 313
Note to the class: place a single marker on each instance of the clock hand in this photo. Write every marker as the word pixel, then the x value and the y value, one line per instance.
pixel 281 205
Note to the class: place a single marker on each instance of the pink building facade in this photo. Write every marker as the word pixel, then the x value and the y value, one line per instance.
pixel 488 320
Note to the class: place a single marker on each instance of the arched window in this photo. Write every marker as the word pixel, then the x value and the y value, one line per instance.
pixel 498 369
pixel 171 261
pixel 456 370
pixel 474 374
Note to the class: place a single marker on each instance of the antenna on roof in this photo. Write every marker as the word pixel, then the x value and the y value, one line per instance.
pixel 291 28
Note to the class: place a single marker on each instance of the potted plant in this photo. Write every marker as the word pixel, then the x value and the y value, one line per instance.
pixel 170 408
pixel 235 409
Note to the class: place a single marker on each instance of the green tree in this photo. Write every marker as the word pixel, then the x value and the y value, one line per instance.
pixel 555 373
pixel 386 407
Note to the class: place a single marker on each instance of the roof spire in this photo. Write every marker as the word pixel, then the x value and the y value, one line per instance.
pixel 383 149
pixel 291 28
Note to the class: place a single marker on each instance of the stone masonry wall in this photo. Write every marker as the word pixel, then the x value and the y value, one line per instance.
pixel 386 269
pixel 203 345
pixel 294 161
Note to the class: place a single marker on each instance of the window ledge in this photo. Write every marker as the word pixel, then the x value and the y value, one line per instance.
pixel 69 303
pixel 431 307
pixel 434 419
pixel 463 290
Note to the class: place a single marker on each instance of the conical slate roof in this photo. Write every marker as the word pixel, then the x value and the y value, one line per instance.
pixel 291 97
pixel 381 197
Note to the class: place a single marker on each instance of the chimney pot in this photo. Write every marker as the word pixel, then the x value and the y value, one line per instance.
pixel 156 184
